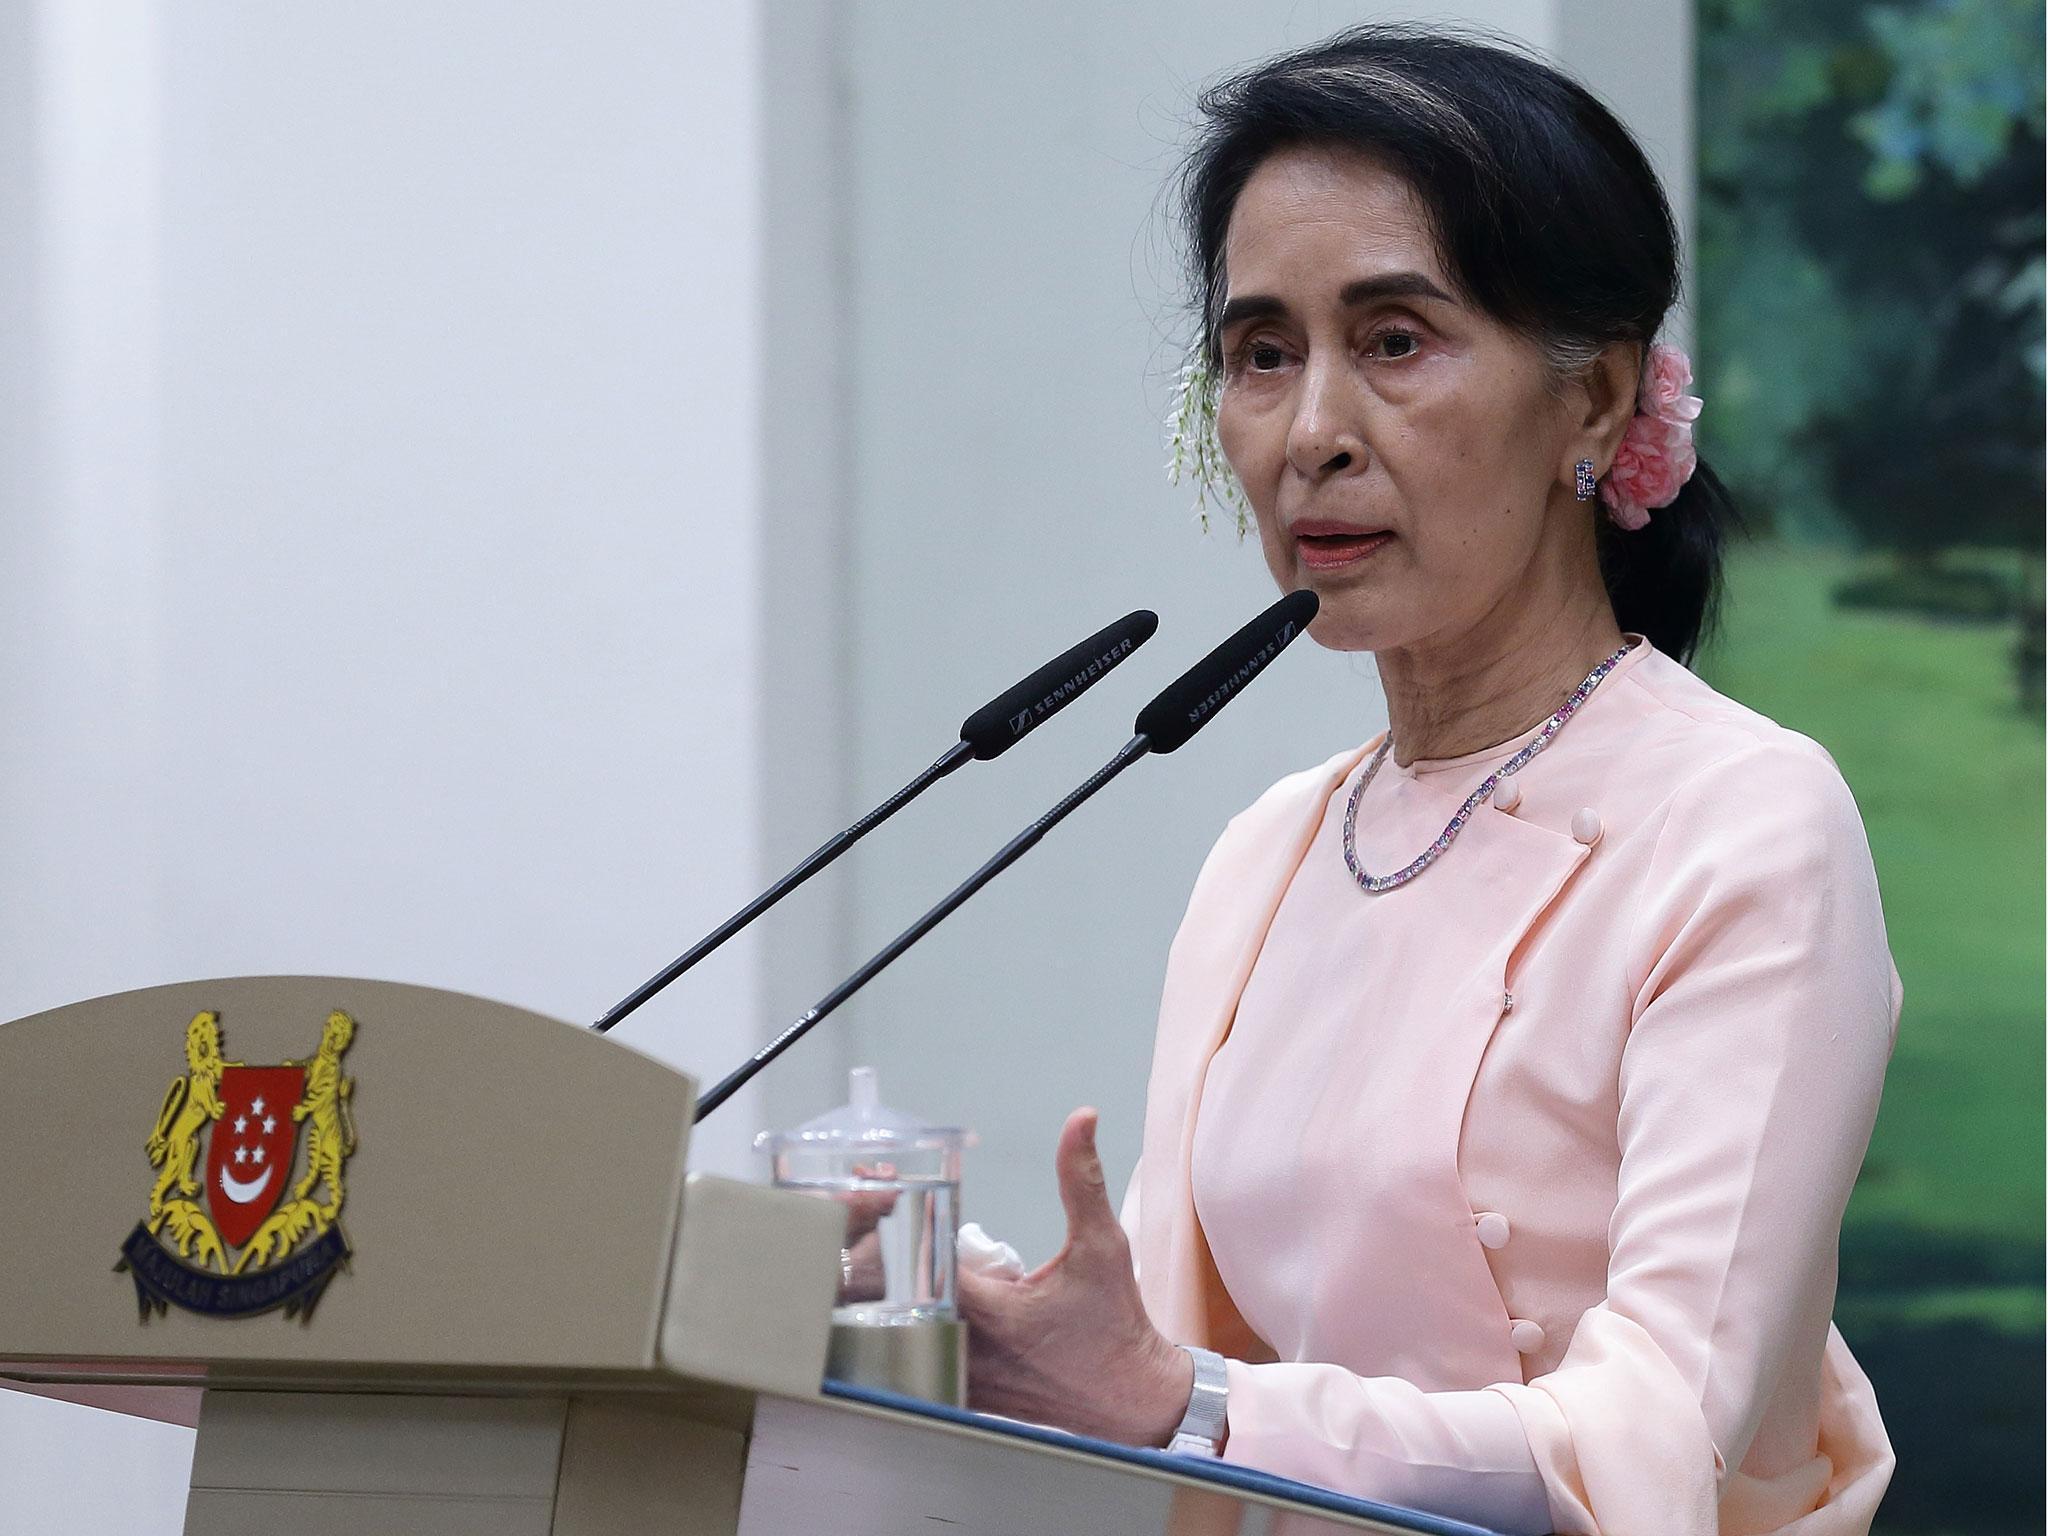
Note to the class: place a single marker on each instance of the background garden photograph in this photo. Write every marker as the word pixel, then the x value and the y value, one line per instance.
pixel 1868 297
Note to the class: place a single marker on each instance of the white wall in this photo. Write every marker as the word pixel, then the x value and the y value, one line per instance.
pixel 392 565
pixel 385 533
pixel 1015 326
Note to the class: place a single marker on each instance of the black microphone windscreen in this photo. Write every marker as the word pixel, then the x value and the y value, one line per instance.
pixel 1012 714
pixel 1188 703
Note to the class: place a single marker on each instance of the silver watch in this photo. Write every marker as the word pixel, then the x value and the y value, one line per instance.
pixel 1201 1431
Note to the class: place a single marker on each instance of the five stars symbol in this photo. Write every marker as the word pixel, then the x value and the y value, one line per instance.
pixel 243 1127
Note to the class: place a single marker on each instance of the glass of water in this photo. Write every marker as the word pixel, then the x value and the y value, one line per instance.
pixel 899 1181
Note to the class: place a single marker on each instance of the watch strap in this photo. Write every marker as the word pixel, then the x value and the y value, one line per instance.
pixel 1201 1428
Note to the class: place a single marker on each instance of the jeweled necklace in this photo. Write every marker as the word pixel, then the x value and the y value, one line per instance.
pixel 1478 797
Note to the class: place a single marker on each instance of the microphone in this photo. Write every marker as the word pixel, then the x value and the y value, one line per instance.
pixel 1021 708
pixel 1191 700
pixel 1187 704
pixel 989 732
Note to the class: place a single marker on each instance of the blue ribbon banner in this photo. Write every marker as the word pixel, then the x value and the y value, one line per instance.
pixel 294 1283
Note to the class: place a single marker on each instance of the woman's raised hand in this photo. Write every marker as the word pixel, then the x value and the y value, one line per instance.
pixel 1069 1344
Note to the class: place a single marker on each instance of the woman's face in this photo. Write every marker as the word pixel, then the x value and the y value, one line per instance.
pixel 1407 456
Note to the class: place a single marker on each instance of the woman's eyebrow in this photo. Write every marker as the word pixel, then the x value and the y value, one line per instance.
pixel 1252 306
pixel 1393 285
pixel 1366 290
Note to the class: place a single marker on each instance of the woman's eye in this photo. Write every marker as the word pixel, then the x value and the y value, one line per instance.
pixel 1397 344
pixel 1264 357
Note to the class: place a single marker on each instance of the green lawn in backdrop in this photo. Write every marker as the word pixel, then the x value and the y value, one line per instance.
pixel 1941 1293
pixel 1922 718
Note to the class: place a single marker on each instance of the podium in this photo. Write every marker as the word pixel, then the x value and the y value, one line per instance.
pixel 423 1262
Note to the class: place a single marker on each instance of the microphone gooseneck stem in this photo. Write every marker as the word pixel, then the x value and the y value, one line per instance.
pixel 1011 852
pixel 955 756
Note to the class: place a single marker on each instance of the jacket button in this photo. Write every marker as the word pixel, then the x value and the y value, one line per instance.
pixel 1586 826
pixel 1492 1228
pixel 1507 794
pixel 1527 1336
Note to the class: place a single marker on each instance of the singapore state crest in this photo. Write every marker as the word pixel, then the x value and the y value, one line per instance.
pixel 244 1216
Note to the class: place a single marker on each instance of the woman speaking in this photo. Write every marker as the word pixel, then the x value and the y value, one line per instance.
pixel 1513 1070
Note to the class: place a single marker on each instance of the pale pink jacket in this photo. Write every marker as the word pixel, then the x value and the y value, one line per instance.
pixel 1665 1122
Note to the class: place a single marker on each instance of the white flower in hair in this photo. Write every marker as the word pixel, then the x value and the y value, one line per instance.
pixel 1192 448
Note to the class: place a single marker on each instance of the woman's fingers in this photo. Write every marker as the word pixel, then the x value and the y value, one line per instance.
pixel 989 1303
pixel 1083 1191
pixel 1070 1343
pixel 865 1209
pixel 978 1292
pixel 862 1277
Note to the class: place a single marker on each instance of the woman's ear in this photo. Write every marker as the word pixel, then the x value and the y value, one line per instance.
pixel 1603 400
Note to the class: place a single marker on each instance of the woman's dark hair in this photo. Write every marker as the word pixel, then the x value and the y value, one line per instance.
pixel 1546 215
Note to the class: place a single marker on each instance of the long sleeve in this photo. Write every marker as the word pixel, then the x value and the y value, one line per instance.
pixel 1460 1454
pixel 1763 1006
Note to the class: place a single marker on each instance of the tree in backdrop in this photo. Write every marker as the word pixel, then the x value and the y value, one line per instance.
pixel 1870 242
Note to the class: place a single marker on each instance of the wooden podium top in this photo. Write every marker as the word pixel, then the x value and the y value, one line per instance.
pixel 284 1177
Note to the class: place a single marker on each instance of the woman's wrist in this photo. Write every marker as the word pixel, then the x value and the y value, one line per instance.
pixel 1171 1377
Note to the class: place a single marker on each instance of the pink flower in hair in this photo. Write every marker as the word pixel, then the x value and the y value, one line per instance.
pixel 1655 459
pixel 1662 391
pixel 1656 456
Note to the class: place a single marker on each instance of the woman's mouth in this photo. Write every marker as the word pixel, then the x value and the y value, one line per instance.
pixel 1327 546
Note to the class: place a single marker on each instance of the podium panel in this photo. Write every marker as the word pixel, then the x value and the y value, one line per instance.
pixel 361 1462
pixel 499 1195
pixel 437 1265
pixel 511 1199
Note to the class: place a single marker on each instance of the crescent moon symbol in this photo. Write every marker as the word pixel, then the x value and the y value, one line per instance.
pixel 240 1191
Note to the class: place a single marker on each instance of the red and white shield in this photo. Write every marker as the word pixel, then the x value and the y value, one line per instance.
pixel 249 1151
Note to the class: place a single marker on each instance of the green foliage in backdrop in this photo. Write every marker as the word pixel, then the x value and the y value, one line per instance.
pixel 1869 284
pixel 1870 227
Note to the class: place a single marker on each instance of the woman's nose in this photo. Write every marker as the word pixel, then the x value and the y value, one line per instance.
pixel 1324 438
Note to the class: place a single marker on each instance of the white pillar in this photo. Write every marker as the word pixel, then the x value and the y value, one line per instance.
pixel 391 587
pixel 1637 56
pixel 82 499
pixel 387 556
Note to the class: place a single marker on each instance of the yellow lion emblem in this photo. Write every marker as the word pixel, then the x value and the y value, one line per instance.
pixel 329 1141
pixel 191 1104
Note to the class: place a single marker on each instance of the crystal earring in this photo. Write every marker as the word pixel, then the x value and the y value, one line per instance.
pixel 1585 485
